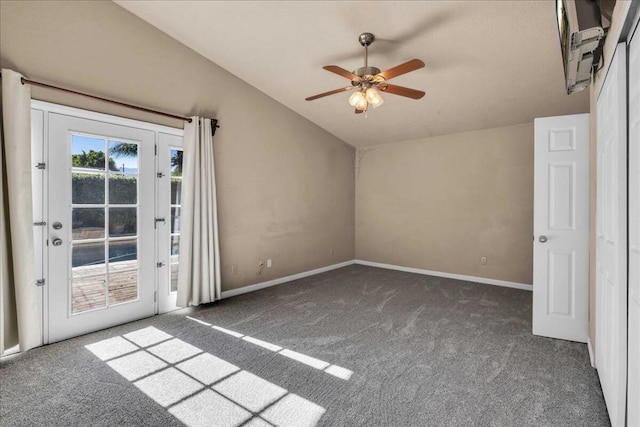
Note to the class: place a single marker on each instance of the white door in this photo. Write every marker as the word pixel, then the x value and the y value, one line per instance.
pixel 100 225
pixel 561 228
pixel 633 396
pixel 611 239
pixel 169 207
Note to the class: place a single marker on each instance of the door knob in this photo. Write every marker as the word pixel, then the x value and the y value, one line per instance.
pixel 542 239
pixel 57 242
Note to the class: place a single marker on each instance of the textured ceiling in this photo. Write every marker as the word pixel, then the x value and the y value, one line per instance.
pixel 488 63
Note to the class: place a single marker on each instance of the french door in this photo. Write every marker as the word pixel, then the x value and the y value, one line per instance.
pixel 169 207
pixel 111 203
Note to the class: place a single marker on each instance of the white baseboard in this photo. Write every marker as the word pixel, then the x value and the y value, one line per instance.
pixel 262 285
pixel 592 355
pixel 484 280
pixel 269 283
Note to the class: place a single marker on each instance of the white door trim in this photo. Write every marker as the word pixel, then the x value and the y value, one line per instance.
pixel 101 117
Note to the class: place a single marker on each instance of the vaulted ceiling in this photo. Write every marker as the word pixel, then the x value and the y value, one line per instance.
pixel 488 63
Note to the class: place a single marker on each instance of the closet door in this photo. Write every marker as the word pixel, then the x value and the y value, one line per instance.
pixel 633 397
pixel 611 239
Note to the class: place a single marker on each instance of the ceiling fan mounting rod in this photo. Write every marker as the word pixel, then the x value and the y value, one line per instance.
pixel 366 56
pixel 365 40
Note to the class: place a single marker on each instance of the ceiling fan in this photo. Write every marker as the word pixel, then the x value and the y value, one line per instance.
pixel 367 79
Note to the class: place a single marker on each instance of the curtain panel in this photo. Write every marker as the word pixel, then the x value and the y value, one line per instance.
pixel 199 271
pixel 19 307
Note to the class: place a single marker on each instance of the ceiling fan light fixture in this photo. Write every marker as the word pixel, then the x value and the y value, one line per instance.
pixel 373 98
pixel 358 100
pixel 368 81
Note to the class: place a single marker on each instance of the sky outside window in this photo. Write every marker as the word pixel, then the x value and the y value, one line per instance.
pixel 85 144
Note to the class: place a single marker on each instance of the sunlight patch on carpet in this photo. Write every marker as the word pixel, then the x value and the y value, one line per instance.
pixel 335 370
pixel 147 336
pixel 200 389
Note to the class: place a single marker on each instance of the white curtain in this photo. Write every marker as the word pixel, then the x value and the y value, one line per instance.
pixel 199 272
pixel 19 308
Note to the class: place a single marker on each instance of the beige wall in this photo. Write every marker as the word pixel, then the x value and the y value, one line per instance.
pixel 442 203
pixel 285 186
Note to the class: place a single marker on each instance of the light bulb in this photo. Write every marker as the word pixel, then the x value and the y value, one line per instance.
pixel 359 101
pixel 374 98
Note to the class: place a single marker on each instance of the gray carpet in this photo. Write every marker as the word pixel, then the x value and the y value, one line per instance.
pixel 423 351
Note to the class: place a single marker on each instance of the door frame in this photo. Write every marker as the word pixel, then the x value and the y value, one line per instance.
pixel 39 143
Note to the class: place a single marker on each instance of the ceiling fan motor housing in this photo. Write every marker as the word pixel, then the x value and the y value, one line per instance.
pixel 368 76
pixel 366 71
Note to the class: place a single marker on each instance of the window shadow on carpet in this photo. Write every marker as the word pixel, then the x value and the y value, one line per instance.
pixel 199 388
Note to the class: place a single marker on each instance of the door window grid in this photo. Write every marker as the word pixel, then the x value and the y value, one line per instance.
pixel 108 274
pixel 176 158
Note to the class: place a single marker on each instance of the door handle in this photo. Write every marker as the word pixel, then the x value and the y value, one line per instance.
pixel 542 239
pixel 57 242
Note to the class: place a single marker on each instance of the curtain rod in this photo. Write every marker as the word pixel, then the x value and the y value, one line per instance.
pixel 122 104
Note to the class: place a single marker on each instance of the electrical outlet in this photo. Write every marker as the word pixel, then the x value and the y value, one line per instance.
pixel 269 263
pixel 483 260
pixel 260 267
pixel 331 251
pixel 234 268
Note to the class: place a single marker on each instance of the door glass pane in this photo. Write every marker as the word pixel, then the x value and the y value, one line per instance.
pixel 87 188
pixel 87 259
pixel 176 191
pixel 87 153
pixel 87 223
pixel 175 248
pixel 123 286
pixel 175 220
pixel 123 222
pixel 123 189
pixel 123 254
pixel 124 155
pixel 174 277
pixel 88 294
pixel 176 162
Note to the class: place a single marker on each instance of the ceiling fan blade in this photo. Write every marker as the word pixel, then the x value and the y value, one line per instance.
pixel 331 92
pixel 402 91
pixel 342 72
pixel 414 64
